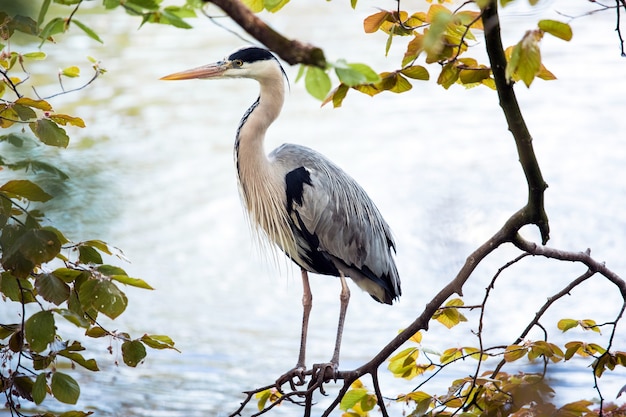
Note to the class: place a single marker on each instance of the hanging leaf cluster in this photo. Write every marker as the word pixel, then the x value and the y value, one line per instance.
pixel 54 280
pixel 440 36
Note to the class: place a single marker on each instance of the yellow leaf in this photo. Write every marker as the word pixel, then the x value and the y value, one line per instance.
pixel 466 17
pixel 555 28
pixel 64 119
pixel 566 324
pixel 417 338
pixel 448 76
pixel 514 352
pixel 529 63
pixel 451 354
pixel 436 9
pixel 38 104
pixel 71 72
pixel 255 5
pixel 416 72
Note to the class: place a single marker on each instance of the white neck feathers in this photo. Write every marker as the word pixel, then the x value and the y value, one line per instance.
pixel 262 185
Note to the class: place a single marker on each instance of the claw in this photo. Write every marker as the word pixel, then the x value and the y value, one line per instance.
pixel 324 372
pixel 289 376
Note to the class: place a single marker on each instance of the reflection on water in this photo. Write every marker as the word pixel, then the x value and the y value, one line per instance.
pixel 153 175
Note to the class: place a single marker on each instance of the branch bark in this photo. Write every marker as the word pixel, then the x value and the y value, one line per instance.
pixel 534 212
pixel 290 50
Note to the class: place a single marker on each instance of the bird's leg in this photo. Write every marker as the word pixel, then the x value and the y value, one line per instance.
pixel 344 298
pixel 307 303
pixel 325 371
pixel 300 369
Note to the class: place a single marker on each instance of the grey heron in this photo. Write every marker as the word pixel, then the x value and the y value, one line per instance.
pixel 301 201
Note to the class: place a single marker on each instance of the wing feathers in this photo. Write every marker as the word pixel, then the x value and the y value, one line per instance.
pixel 336 218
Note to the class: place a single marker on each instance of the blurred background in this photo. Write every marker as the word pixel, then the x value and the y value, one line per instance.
pixel 152 174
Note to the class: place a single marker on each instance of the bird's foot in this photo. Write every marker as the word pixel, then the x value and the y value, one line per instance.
pixel 324 372
pixel 295 377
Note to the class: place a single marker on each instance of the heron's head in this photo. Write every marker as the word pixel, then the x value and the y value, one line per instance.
pixel 247 62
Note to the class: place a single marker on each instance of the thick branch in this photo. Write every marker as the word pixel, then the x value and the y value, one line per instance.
pixel 292 51
pixel 534 212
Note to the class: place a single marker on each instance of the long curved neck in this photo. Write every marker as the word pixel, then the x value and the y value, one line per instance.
pixel 249 150
pixel 260 183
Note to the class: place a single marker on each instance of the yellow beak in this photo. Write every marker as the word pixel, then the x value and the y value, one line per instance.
pixel 206 71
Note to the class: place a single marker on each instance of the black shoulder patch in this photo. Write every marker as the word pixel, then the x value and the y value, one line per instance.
pixel 294 182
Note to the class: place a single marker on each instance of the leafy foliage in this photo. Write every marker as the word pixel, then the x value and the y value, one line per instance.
pixel 39 266
pixel 440 36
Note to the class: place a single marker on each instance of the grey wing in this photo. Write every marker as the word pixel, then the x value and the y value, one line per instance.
pixel 336 224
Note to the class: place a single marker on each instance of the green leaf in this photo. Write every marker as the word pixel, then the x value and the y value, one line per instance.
pixel 25 189
pixel 22 386
pixel 134 282
pixel 355 73
pixel 88 31
pixel 52 288
pixel 6 206
pixel 16 289
pixel 555 28
pixel 66 274
pixel 133 352
pixel 39 55
pixel 13 139
pixel 54 26
pixel 89 364
pixel 157 341
pixel 111 4
pixel 88 255
pixel 23 249
pixel 352 397
pixel 146 4
pixel 24 113
pixel 64 388
pixel 98 244
pixel 73 317
pixel 274 5
pixel 7 330
pixel 109 270
pixel 96 332
pixel 42 12
pixel 39 330
pixel 174 20
pixel 317 82
pixel 24 24
pixel 40 388
pixel 49 133
pixel 108 299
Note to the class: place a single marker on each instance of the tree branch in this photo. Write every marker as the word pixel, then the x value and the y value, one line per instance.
pixel 290 50
pixel 534 211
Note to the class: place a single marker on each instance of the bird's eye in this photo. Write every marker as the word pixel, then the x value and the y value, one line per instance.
pixel 237 62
